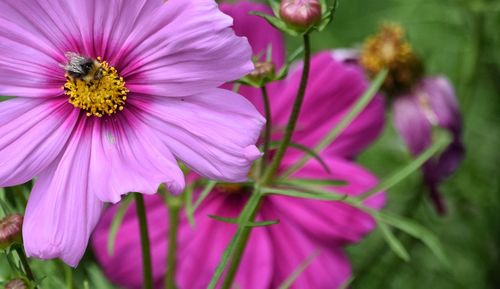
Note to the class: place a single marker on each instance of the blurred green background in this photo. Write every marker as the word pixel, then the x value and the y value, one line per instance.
pixel 460 39
pixel 457 38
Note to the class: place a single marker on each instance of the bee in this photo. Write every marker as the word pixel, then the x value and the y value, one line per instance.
pixel 80 67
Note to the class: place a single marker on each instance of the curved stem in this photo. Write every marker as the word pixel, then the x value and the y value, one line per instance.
pixel 174 208
pixel 292 121
pixel 24 262
pixel 145 245
pixel 267 132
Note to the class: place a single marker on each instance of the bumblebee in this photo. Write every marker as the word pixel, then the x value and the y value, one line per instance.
pixel 80 67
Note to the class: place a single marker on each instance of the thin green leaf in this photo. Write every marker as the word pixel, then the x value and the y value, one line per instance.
pixel 393 242
pixel 354 112
pixel 307 151
pixel 117 221
pixel 249 224
pixel 208 188
pixel 442 140
pixel 315 182
pixel 297 272
pixel 417 231
pixel 303 195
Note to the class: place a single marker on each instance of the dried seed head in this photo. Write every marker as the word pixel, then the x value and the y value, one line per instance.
pixel 388 49
pixel 300 14
pixel 10 230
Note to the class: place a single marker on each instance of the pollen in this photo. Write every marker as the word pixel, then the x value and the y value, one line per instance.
pixel 100 93
pixel 389 49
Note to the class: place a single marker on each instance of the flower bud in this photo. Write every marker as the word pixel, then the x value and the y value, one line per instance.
pixel 10 230
pixel 263 71
pixel 16 284
pixel 300 14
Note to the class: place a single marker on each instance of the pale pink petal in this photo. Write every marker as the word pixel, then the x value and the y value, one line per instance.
pixel 333 89
pixel 213 133
pixel 412 123
pixel 328 269
pixel 33 134
pixel 186 48
pixel 127 156
pixel 61 214
pixel 103 27
pixel 329 221
pixel 28 57
pixel 444 102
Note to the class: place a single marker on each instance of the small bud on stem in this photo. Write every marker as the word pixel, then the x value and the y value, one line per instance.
pixel 16 284
pixel 263 71
pixel 300 14
pixel 10 230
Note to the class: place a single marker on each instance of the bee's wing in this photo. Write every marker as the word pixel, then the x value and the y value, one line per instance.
pixel 74 62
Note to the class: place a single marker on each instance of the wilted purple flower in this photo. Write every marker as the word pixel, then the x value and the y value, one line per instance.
pixel 109 95
pixel 420 103
pixel 432 102
pixel 307 227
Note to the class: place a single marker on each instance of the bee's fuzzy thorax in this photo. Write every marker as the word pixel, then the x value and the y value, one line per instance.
pixel 99 90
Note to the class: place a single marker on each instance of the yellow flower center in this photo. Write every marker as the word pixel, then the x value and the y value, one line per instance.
pixel 101 92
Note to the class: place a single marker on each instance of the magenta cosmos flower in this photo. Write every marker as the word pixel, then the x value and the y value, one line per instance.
pixel 306 227
pixel 108 96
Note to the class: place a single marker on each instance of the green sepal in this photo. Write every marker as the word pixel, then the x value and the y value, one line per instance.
pixel 275 6
pixel 277 23
pixel 328 14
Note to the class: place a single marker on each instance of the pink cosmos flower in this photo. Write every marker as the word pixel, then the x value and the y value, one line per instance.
pixel 306 227
pixel 108 96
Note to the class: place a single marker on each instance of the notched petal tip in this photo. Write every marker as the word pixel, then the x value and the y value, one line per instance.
pixel 252 153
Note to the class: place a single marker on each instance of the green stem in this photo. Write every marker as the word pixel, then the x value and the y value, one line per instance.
pixel 174 208
pixel 241 246
pixel 24 262
pixel 238 241
pixel 267 132
pixel 292 122
pixel 68 272
pixel 145 245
